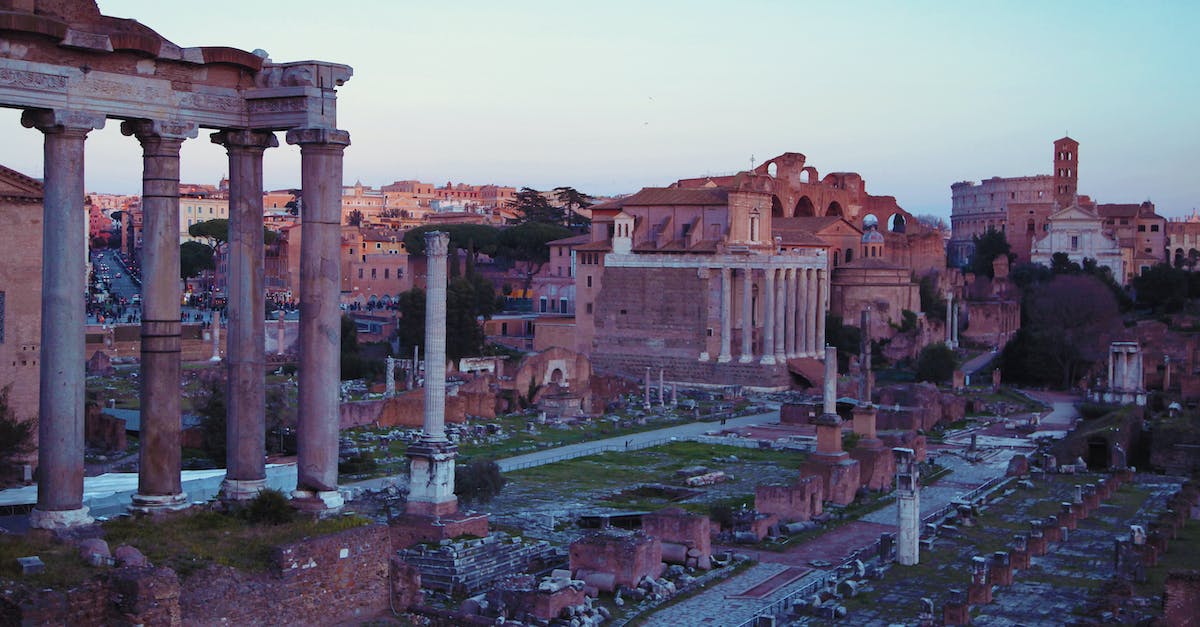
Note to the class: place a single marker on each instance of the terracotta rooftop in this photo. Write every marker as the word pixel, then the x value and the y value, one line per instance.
pixel 673 196
pixel 600 246
pixel 574 240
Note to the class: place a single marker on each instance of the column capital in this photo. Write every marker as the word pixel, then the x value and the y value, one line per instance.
pixel 176 130
pixel 329 137
pixel 62 120
pixel 245 140
pixel 437 243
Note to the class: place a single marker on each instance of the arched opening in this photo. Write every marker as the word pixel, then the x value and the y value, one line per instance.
pixel 1031 227
pixel 1178 257
pixel 372 302
pixel 870 221
pixel 835 209
pixel 776 206
pixel 556 376
pixel 897 223
pixel 771 169
pixel 804 208
pixel 805 177
pixel 849 255
pixel 836 253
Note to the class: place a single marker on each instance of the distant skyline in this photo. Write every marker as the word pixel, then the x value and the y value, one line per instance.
pixel 611 97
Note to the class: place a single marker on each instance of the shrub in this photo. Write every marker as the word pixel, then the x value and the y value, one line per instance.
pixel 936 363
pixel 270 507
pixel 479 481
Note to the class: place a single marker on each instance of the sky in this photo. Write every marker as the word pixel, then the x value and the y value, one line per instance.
pixel 609 97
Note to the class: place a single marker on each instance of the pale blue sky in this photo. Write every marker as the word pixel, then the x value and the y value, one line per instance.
pixel 612 96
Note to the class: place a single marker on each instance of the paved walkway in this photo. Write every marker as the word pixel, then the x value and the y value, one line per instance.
pixel 634 441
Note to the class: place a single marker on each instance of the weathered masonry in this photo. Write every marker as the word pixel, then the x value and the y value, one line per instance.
pixel 70 69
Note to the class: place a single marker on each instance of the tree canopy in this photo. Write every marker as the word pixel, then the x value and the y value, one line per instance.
pixel 534 207
pixel 988 246
pixel 194 258
pixel 217 232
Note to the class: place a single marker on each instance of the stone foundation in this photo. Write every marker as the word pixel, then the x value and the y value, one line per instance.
pixel 839 476
pixel 409 529
pixel 469 566
pixel 678 529
pixel 624 557
pixel 755 375
pixel 800 501
pixel 877 465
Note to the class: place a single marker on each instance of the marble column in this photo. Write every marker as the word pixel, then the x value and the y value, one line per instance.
pixel 768 349
pixel 246 362
pixel 1111 362
pixel 908 510
pixel 726 315
pixel 320 317
pixel 747 316
pixel 950 319
pixel 216 336
pixel 822 296
pixel 806 309
pixel 390 382
pixel 662 391
pixel 431 474
pixel 61 393
pixel 279 331
pixel 160 460
pixel 790 317
pixel 780 316
pixel 830 395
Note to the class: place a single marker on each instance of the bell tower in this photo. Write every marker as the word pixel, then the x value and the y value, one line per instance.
pixel 1066 171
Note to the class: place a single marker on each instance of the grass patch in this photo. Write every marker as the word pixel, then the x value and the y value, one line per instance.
pixel 192 541
pixel 64 567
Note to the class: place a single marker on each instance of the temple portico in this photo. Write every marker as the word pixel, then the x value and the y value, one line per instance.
pixel 76 68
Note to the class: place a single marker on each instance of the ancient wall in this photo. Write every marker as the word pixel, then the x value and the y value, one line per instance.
pixel 407 409
pixel 992 322
pixel 329 580
pixel 20 301
pixel 626 556
pixel 691 370
pixel 659 311
pixel 691 532
pixel 800 501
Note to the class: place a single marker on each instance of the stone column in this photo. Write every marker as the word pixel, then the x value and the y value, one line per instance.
pixel 790 316
pixel 822 306
pixel 646 390
pixel 320 318
pixel 726 315
pixel 216 335
pixel 780 317
pixel 279 330
pixel 159 485
pixel 864 357
pixel 61 392
pixel 806 314
pixel 830 396
pixel 1112 358
pixel 662 390
pixel 768 349
pixel 954 327
pixel 747 316
pixel 245 428
pixel 431 482
pixel 908 502
pixel 391 377
pixel 950 319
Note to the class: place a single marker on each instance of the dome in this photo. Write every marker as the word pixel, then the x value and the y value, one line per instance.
pixel 872 237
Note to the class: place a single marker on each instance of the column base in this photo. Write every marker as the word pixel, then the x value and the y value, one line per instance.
pixel 241 489
pixel 318 501
pixel 215 358
pixel 705 356
pixel 767 360
pixel 149 503
pixel 745 359
pixel 724 359
pixel 60 519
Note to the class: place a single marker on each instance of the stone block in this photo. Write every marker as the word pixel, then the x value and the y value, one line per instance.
pixel 691 531
pixel 800 501
pixel 839 477
pixel 626 555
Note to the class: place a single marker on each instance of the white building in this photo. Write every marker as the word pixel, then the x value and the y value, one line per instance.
pixel 1080 234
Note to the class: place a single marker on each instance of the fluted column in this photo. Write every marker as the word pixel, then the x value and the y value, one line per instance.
pixel 726 315
pixel 822 305
pixel 60 397
pixel 320 318
pixel 246 360
pixel 768 349
pixel 747 316
pixel 159 484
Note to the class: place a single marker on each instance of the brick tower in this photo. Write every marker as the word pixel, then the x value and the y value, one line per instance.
pixel 1066 171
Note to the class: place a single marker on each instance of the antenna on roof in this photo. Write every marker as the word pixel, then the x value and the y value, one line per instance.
pixel 751 163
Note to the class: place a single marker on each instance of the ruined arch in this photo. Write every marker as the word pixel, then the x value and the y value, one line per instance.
pixel 776 207
pixel 897 223
pixel 809 175
pixel 772 169
pixel 804 208
pixel 835 209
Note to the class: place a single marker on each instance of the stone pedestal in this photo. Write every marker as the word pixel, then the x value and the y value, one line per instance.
pixel 838 472
pixel 431 483
pixel 409 529
pixel 956 613
pixel 908 507
pixel 877 464
pixel 1001 568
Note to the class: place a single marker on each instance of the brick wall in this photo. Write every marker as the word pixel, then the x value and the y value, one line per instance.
pixel 328 580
